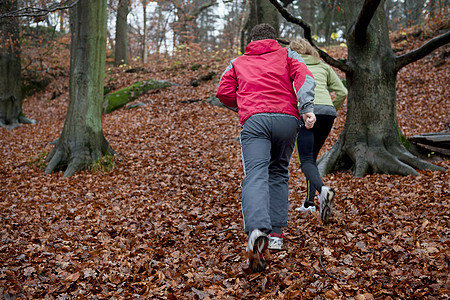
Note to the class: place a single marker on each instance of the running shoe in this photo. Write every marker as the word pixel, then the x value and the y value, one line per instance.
pixel 304 209
pixel 326 203
pixel 275 241
pixel 257 245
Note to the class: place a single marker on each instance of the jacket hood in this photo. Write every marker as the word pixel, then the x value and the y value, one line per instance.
pixel 310 60
pixel 261 47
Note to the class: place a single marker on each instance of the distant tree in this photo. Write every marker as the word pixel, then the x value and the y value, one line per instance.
pixel 438 8
pixel 187 12
pixel 82 141
pixel 414 12
pixel 160 28
pixel 370 141
pixel 121 45
pixel 261 11
pixel 145 31
pixel 332 19
pixel 308 9
pixel 405 13
pixel 204 29
pixel 234 22
pixel 10 80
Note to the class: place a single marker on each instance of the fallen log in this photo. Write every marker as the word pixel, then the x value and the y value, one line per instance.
pixel 118 99
pixel 437 142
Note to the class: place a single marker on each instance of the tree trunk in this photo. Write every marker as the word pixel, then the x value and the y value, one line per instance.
pixel 329 13
pixel 61 21
pixel 307 8
pixel 120 55
pixel 261 11
pixel 369 142
pixel 10 82
pixel 145 33
pixel 82 141
pixel 161 29
pixel 414 12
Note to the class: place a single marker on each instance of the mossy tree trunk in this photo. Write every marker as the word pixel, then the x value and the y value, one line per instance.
pixel 82 141
pixel 10 80
pixel 369 142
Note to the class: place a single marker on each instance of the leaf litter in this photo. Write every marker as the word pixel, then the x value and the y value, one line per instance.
pixel 166 223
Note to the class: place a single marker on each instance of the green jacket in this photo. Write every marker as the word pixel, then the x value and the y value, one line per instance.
pixel 326 80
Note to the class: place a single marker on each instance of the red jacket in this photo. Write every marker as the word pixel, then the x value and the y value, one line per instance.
pixel 263 81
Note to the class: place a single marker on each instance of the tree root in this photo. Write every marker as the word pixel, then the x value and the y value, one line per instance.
pixel 16 122
pixel 329 161
pixel 417 163
pixel 54 160
pixel 25 120
pixel 374 157
pixel 63 157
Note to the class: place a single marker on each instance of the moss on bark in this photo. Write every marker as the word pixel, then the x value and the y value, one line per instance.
pixel 118 99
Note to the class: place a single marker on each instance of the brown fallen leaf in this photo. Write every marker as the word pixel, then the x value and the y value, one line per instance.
pixel 73 277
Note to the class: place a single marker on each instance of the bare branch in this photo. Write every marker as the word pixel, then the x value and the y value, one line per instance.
pixel 307 33
pixel 421 52
pixel 39 12
pixel 195 13
pixel 364 18
pixel 340 64
pixel 290 18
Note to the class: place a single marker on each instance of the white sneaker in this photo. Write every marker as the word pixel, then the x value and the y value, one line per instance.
pixel 326 203
pixel 275 242
pixel 304 209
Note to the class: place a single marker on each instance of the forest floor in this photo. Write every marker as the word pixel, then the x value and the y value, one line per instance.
pixel 166 223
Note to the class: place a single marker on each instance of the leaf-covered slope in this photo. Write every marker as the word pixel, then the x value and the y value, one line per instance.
pixel 166 222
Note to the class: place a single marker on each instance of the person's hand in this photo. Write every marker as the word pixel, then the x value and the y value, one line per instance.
pixel 310 119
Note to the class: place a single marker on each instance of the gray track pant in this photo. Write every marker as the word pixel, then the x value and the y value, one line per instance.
pixel 267 143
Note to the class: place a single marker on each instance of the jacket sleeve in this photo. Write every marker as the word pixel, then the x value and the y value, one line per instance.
pixel 304 82
pixel 226 92
pixel 335 84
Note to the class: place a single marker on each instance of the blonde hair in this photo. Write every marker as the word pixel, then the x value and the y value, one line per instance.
pixel 302 46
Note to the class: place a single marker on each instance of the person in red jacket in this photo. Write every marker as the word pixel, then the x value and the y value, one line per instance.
pixel 272 89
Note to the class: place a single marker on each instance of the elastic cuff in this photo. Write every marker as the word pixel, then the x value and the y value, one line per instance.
pixel 277 230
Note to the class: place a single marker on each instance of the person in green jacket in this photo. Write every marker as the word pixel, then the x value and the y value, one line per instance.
pixel 309 142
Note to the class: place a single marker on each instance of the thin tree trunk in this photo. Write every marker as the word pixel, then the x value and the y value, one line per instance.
pixel 329 23
pixel 261 11
pixel 144 37
pixel 308 11
pixel 121 53
pixel 160 29
pixel 61 21
pixel 414 12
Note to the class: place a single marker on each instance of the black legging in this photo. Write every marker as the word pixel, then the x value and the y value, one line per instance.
pixel 309 143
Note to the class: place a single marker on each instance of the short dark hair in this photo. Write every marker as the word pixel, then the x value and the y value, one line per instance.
pixel 262 32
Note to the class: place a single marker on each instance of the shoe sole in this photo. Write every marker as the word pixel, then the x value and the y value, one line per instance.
pixel 305 210
pixel 327 207
pixel 274 247
pixel 255 256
